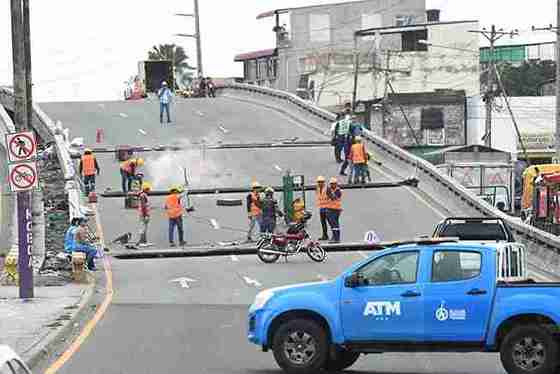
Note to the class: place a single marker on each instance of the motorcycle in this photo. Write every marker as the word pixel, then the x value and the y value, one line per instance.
pixel 271 246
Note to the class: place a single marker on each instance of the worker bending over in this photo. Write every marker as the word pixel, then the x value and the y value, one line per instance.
pixel 128 172
pixel 83 244
pixel 269 211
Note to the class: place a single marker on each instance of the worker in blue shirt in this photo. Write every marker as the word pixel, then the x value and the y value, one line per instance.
pixel 165 95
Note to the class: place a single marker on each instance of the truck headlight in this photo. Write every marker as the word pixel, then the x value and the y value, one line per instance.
pixel 262 298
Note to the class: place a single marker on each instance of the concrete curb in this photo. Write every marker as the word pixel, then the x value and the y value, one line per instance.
pixel 47 345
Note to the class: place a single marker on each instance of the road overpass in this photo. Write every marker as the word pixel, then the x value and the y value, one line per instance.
pixel 154 324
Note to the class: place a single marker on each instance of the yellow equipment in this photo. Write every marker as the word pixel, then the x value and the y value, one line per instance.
pixel 529 176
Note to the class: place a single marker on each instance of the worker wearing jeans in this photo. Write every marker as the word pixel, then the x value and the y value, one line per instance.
pixel 165 96
pixel 175 215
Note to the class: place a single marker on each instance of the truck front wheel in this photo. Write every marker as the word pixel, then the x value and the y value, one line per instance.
pixel 529 350
pixel 300 346
pixel 343 360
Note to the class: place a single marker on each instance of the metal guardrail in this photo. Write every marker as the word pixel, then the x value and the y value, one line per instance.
pixel 543 245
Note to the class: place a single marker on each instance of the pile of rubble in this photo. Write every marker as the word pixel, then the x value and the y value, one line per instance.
pixel 55 269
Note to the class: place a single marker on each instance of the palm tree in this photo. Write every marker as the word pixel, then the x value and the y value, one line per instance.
pixel 177 55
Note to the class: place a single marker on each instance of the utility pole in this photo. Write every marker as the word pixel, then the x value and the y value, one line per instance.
pixel 557 31
pixel 198 43
pixel 492 35
pixel 21 52
pixel 386 93
pixel 196 36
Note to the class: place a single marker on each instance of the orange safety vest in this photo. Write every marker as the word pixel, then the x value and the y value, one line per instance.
pixel 321 198
pixel 255 210
pixel 358 153
pixel 335 204
pixel 173 206
pixel 127 166
pixel 88 165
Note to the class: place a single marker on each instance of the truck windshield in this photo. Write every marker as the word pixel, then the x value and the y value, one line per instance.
pixel 474 231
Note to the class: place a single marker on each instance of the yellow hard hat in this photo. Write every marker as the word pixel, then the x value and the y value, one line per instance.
pixel 146 186
pixel 139 161
pixel 87 151
pixel 256 185
pixel 358 138
pixel 176 188
pixel 269 190
pixel 333 180
pixel 320 178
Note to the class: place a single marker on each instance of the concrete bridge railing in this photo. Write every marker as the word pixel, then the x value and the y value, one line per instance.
pixel 8 209
pixel 543 247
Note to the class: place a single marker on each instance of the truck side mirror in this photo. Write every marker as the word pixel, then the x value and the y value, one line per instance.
pixel 352 281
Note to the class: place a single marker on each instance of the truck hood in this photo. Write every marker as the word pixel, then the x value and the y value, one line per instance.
pixel 311 286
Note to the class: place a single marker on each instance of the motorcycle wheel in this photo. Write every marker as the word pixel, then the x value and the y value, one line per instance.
pixel 267 258
pixel 316 252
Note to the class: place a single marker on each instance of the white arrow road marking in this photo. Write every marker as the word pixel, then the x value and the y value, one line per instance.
pixel 123 115
pixel 199 113
pixel 251 282
pixel 234 258
pixel 278 168
pixel 184 281
pixel 223 129
pixel 215 224
pixel 322 277
pixel 142 132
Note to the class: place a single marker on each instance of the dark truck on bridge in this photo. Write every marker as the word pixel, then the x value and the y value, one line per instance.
pixel 435 295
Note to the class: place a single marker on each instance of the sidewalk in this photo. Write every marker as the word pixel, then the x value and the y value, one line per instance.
pixel 26 325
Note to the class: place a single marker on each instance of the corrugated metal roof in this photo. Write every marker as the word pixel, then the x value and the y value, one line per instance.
pixel 255 55
pixel 286 10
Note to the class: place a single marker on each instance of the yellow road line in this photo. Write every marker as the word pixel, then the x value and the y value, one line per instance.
pixel 90 325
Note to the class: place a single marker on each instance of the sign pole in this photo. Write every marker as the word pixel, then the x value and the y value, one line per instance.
pixel 20 49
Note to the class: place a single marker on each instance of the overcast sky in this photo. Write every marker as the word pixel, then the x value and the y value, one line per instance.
pixel 84 50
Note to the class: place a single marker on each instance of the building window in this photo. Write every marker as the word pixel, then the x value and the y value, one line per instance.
pixel 402 20
pixel 320 28
pixel 410 40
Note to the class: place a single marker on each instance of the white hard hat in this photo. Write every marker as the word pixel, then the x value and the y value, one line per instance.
pixel 164 83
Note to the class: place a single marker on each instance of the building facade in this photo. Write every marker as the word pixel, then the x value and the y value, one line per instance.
pixel 435 119
pixel 315 34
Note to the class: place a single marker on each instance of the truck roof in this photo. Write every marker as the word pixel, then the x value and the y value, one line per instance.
pixel 493 246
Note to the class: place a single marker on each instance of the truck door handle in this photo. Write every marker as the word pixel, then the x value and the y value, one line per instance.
pixel 411 294
pixel 476 292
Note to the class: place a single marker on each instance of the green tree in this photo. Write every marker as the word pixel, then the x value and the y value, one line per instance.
pixel 525 79
pixel 172 52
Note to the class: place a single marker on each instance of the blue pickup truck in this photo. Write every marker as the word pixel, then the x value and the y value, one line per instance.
pixel 433 295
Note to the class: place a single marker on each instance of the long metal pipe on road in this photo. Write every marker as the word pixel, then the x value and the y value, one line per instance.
pixel 411 182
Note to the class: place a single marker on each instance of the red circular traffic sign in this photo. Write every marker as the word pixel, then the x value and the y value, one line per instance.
pixel 23 176
pixel 22 146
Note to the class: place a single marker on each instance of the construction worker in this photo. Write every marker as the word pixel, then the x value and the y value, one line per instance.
pixel 83 244
pixel 341 133
pixel 70 236
pixel 334 208
pixel 88 168
pixel 128 172
pixel 175 214
pixel 298 207
pixel 322 202
pixel 254 210
pixel 359 158
pixel 144 212
pixel 269 211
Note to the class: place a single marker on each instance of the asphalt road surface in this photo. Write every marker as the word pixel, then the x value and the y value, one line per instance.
pixel 155 325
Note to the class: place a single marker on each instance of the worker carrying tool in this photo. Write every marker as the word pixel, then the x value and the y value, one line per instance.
pixel 334 208
pixel 322 203
pixel 88 169
pixel 128 172
pixel 270 210
pixel 175 212
pixel 254 210
pixel 144 213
